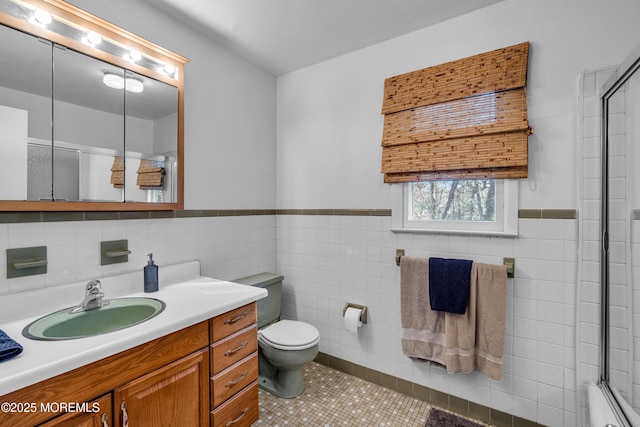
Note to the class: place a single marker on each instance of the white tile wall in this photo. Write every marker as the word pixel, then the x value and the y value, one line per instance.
pixel 330 260
pixel 227 247
pixel 588 298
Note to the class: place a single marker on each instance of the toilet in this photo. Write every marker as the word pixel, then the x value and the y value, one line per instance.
pixel 284 346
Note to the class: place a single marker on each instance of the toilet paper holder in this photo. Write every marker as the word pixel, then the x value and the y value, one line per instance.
pixel 363 315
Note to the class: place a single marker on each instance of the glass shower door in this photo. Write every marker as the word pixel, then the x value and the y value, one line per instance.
pixel 621 241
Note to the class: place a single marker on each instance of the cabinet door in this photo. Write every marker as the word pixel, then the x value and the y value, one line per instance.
pixel 25 116
pixel 175 395
pixel 98 414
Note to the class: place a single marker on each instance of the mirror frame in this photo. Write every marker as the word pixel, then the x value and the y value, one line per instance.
pixel 78 17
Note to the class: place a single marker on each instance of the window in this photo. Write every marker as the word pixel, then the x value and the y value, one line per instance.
pixel 479 206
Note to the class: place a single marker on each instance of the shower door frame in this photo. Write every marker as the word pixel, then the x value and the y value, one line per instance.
pixel 622 75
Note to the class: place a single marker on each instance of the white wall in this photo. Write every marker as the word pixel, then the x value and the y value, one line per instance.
pixel 329 133
pixel 329 122
pixel 229 111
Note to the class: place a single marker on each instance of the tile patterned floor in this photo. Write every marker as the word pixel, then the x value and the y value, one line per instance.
pixel 333 398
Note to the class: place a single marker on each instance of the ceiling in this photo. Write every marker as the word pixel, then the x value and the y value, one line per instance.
pixel 286 35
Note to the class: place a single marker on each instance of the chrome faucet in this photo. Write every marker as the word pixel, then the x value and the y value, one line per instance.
pixel 92 299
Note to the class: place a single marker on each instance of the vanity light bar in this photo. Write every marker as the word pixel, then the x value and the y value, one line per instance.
pixel 34 16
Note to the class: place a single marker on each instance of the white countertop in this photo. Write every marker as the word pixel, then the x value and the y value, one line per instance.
pixel 189 298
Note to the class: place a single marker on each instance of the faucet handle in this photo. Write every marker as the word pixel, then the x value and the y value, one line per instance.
pixel 93 287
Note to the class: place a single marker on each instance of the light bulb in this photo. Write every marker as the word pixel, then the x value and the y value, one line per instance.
pixel 42 17
pixel 94 38
pixel 135 55
pixel 169 69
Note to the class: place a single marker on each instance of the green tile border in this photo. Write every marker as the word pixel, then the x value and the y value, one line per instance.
pixel 45 216
pixel 548 213
pixel 332 212
pixel 434 397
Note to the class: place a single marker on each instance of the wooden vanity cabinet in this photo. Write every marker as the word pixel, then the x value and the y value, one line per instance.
pixel 101 418
pixel 172 379
pixel 205 374
pixel 175 395
pixel 234 368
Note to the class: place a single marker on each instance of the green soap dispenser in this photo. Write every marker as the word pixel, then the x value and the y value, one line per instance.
pixel 150 275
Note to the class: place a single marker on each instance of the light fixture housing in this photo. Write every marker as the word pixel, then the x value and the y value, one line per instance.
pixel 133 85
pixel 113 80
pixel 116 81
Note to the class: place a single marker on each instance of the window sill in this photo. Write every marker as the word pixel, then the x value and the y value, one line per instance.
pixel 456 232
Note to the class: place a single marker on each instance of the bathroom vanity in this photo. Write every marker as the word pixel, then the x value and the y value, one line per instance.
pixel 195 364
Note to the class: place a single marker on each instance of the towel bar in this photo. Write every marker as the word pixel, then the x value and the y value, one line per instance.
pixel 29 263
pixel 509 262
pixel 26 261
pixel 511 266
pixel 114 251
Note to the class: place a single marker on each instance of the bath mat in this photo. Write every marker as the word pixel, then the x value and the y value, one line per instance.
pixel 438 418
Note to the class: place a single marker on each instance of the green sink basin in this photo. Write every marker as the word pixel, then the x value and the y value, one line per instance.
pixel 119 314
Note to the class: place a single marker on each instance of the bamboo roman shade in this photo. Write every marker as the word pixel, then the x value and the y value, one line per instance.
pixel 460 120
pixel 150 175
pixel 117 172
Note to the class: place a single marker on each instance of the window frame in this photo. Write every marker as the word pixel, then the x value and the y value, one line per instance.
pixel 506 223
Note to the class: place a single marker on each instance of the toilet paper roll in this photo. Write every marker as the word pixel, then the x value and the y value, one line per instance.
pixel 352 320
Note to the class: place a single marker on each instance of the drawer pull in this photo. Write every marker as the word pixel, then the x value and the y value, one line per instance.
pixel 104 420
pixel 235 319
pixel 232 383
pixel 238 419
pixel 125 417
pixel 231 352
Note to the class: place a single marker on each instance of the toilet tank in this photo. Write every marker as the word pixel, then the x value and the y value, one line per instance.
pixel 268 307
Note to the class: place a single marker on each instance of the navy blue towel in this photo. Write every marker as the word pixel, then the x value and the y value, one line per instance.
pixel 449 284
pixel 8 347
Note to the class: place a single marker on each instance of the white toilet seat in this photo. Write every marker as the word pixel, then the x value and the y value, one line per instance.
pixel 289 335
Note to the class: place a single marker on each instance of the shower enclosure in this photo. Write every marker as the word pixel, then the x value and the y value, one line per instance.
pixel 620 256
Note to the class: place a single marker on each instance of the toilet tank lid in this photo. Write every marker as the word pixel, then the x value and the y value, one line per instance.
pixel 260 279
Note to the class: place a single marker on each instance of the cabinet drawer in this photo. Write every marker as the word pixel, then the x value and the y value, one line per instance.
pixel 232 321
pixel 233 349
pixel 240 411
pixel 230 381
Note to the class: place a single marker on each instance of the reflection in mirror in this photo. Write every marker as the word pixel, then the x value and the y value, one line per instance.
pixel 88 114
pixel 152 131
pixel 25 111
pixel 621 257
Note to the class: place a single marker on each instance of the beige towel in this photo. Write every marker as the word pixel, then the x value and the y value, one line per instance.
pixel 423 335
pixel 475 340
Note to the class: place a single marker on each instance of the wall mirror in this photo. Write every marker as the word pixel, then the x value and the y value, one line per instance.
pixel 620 358
pixel 92 115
